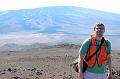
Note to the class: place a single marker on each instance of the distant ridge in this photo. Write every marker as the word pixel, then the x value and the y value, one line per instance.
pixel 12 47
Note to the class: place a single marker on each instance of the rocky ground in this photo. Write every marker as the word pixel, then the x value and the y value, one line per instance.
pixel 50 62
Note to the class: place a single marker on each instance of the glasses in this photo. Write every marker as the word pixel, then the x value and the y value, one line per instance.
pixel 99 28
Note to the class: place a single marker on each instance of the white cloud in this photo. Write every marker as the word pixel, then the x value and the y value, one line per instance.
pixel 29 38
pixel 104 5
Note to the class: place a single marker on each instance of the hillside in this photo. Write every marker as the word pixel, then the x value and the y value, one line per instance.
pixel 65 19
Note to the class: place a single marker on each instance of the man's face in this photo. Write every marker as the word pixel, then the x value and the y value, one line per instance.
pixel 99 30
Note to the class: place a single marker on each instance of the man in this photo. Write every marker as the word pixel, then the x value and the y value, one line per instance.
pixel 98 63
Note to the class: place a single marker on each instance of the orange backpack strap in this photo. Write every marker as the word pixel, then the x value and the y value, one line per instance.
pixel 93 39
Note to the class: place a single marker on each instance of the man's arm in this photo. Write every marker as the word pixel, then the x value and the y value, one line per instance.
pixel 109 66
pixel 80 65
pixel 82 52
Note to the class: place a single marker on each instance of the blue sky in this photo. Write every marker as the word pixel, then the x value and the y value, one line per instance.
pixel 103 5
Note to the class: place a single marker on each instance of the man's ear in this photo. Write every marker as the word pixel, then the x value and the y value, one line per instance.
pixel 104 30
pixel 94 28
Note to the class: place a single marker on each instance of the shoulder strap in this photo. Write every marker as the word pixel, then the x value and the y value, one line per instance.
pixel 96 50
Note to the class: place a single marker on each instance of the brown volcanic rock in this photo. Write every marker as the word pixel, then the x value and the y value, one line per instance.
pixel 51 62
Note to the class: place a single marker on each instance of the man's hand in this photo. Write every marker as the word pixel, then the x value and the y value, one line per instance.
pixel 81 75
pixel 110 76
